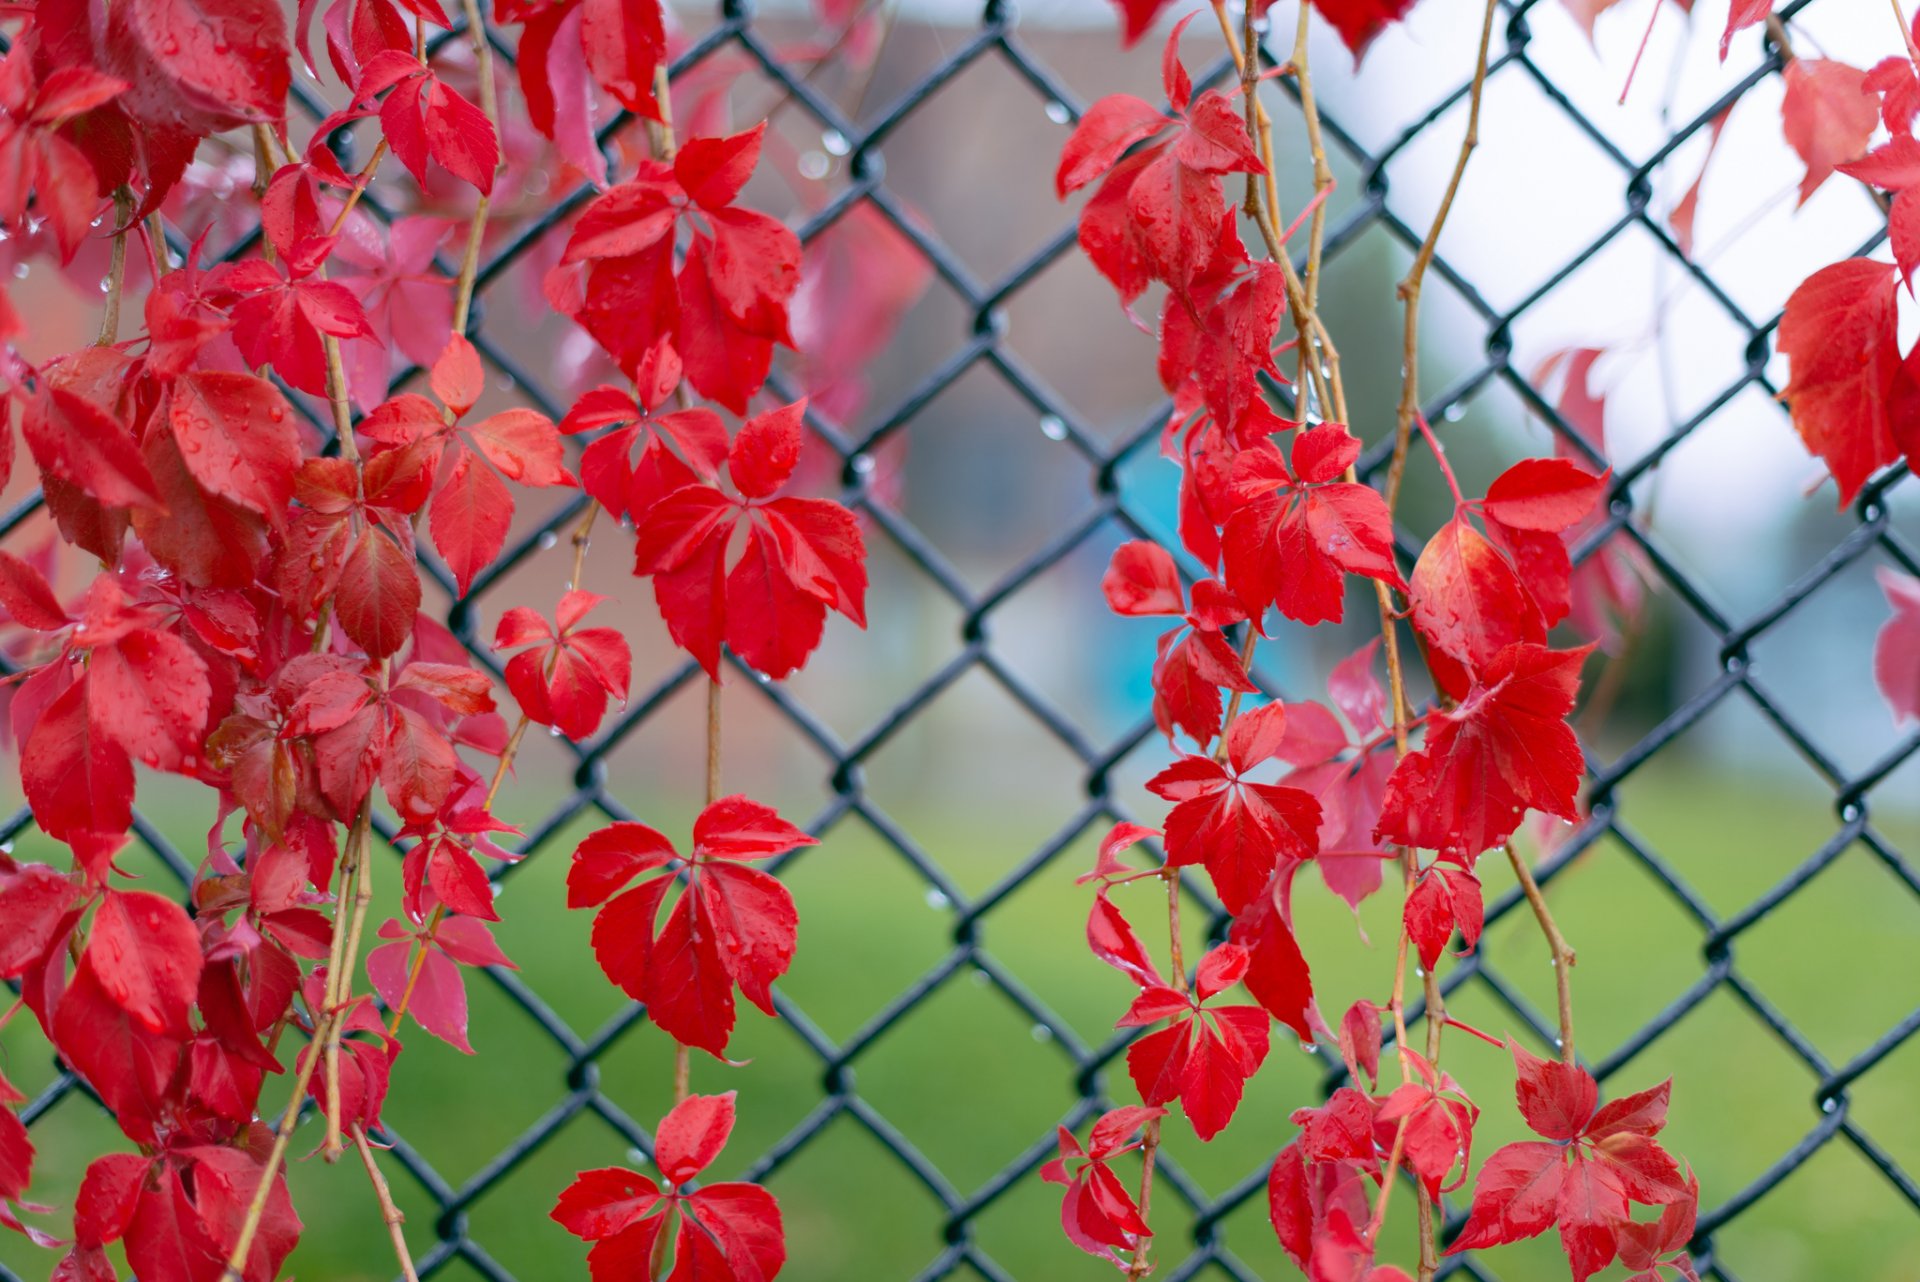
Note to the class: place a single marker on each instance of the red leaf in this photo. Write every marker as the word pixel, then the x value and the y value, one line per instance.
pixel 1359 22
pixel 1556 1099
pixel 1442 901
pixel 1839 340
pixel 147 955
pixel 1743 14
pixel 129 1067
pixel 379 593
pixel 1506 749
pixel 1517 1195
pixel 149 692
pixel 167 1241
pixel 1469 601
pixel 457 377
pixel 200 65
pixel 1239 830
pixel 1896 651
pixel 76 440
pixel 1102 136
pixel 732 926
pixel 439 1001
pixel 237 437
pixel 76 780
pixel 1549 494
pixel 1828 115
pixel 33 901
pixel 624 45
pixel 692 1135
pixel 470 515
pixel 1113 941
pixel 1277 973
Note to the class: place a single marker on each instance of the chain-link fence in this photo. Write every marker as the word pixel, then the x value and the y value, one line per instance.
pixel 564 1072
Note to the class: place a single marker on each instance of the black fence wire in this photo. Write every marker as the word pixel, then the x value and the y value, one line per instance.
pixel 455 1235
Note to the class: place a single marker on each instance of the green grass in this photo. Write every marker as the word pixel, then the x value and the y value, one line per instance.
pixel 970 1082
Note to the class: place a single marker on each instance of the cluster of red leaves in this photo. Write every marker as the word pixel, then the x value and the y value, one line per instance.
pixel 257 625
pixel 1591 1165
pixel 732 926
pixel 1855 398
pixel 643 1231
pixel 1275 519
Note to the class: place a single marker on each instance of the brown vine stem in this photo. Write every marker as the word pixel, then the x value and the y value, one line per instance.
pixel 390 1214
pixel 1410 288
pixel 1906 34
pixel 490 106
pixel 1563 954
pixel 359 869
pixel 116 270
pixel 276 1157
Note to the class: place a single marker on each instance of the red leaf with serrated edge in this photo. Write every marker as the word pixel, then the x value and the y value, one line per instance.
pixel 75 779
pixel 1142 579
pixel 1277 973
pixel 1291 543
pixel 1360 22
pixel 469 516
pixel 1503 751
pixel 1239 830
pixel 1838 335
pixel 1206 1055
pixel 1097 1212
pixel 167 1240
pixel 1556 1099
pixel 237 438
pixel 1896 650
pixel 1597 1161
pixel 379 593
pixel 147 955
pixel 625 43
pixel 1516 1196
pixel 733 925
pixel 149 692
pixel 34 900
pixel 565 682
pixel 1109 127
pixel 77 441
pixel 1827 115
pixel 800 558
pixel 1469 601
pixel 199 65
pixel 692 1135
pixel 724 1233
pixel 128 1066
pixel 439 1000
pixel 1442 901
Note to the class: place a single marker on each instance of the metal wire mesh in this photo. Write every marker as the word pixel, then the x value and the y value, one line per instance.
pixel 957 1251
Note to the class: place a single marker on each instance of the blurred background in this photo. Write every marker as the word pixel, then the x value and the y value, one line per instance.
pixel 995 414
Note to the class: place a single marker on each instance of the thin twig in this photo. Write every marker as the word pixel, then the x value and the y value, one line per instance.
pixel 1409 289
pixel 276 1156
pixel 1563 955
pixel 116 270
pixel 477 225
pixel 390 1214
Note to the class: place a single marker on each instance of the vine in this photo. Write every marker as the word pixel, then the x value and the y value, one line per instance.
pixel 255 622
